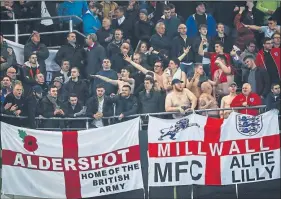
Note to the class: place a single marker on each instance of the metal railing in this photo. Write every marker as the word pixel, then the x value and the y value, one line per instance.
pixel 17 35
pixel 143 116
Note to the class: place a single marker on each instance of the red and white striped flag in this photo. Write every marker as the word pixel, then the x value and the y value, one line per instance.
pixel 208 151
pixel 72 164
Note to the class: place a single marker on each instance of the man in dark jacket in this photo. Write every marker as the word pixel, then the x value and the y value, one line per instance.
pixel 114 46
pixel 273 98
pixel 258 77
pixel 126 103
pixel 64 73
pixel 52 107
pixel 150 101
pixel 143 27
pixel 8 57
pixel 105 34
pixel 15 104
pixel 123 23
pixel 36 47
pixel 99 106
pixel 159 41
pixel 95 55
pixel 106 72
pixel 117 60
pixel 72 52
pixel 75 109
pixel 221 36
pixel 77 86
pixel 33 105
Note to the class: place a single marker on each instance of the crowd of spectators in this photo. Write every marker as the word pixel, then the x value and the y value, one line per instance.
pixel 141 57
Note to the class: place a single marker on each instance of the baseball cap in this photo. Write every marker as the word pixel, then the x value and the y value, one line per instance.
pixel 37 89
pixel 232 84
pixel 175 81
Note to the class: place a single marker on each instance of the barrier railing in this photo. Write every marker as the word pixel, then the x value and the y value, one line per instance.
pixel 17 35
pixel 143 116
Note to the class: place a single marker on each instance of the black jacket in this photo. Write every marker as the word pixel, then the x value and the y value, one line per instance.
pixel 127 106
pixel 262 81
pixel 33 110
pixel 127 27
pixel 272 101
pixel 93 106
pixel 80 88
pixel 102 34
pixel 152 103
pixel 227 43
pixel 195 46
pixel 118 62
pixel 95 58
pixel 178 45
pixel 58 74
pixel 160 43
pixel 21 104
pixel 143 30
pixel 42 53
pixel 71 112
pixel 75 55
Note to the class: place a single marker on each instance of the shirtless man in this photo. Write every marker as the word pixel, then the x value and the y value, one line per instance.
pixel 199 77
pixel 180 99
pixel 222 76
pixel 207 101
pixel 124 79
pixel 226 100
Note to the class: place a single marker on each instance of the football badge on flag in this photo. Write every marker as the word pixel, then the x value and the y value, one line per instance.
pixel 249 125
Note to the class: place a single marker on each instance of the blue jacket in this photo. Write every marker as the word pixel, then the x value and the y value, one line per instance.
pixel 192 29
pixel 77 8
pixel 90 20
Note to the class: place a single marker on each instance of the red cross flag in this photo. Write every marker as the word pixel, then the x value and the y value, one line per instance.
pixel 208 151
pixel 71 164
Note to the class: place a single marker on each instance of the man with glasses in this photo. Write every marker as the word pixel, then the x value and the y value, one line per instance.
pixel 273 98
pixel 268 30
pixel 269 58
pixel 276 40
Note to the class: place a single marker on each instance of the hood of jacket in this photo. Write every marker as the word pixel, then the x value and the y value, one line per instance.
pixel 27 64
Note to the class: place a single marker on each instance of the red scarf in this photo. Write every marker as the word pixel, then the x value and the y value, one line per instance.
pixel 31 72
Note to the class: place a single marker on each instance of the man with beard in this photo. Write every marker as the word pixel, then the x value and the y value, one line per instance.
pixel 78 86
pixel 64 73
pixel 30 70
pixel 33 105
pixel 99 106
pixel 52 107
pixel 72 52
pixel 124 79
pixel 180 99
pixel 245 99
pixel 126 104
pixel 36 47
pixel 226 100
pixel 15 104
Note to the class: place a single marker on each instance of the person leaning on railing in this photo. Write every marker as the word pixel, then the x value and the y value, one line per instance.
pixel 272 100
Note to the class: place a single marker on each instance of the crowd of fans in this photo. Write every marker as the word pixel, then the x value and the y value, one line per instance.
pixel 141 57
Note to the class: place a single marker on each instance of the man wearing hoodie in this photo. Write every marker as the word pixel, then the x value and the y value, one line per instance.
pixel 200 17
pixel 143 27
pixel 91 22
pixel 8 57
pixel 34 46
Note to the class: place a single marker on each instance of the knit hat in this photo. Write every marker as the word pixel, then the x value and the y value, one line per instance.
pixel 58 79
pixel 144 11
pixel 37 89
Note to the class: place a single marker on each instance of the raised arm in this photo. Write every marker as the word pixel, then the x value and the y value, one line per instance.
pixel 200 49
pixel 225 69
pixel 185 52
pixel 253 27
pixel 137 66
pixel 106 79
